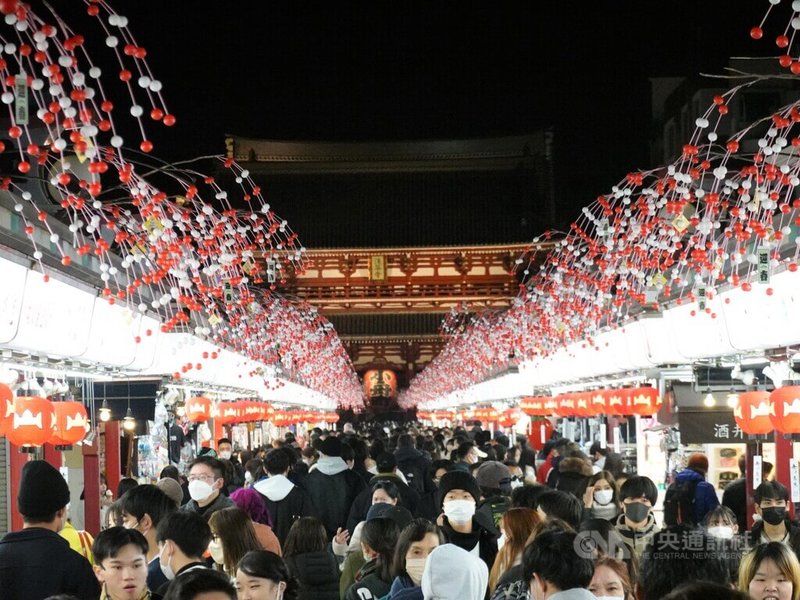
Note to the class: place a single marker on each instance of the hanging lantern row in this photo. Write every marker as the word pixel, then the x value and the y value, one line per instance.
pixel 249 411
pixel 30 421
pixel 760 413
pixel 643 401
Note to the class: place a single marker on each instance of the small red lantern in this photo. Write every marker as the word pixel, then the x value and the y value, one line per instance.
pixel 534 407
pixel 644 401
pixel 508 418
pixel 597 403
pixel 32 422
pixel 617 402
pixel 541 431
pixel 198 410
pixel 566 405
pixel 70 424
pixel 228 412
pixel 753 411
pixel 331 417
pixel 550 407
pixel 583 407
pixel 280 418
pixel 786 405
pixel 6 408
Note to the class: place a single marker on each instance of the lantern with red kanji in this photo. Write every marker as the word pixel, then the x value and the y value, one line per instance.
pixel 6 408
pixel 69 425
pixel 198 409
pixel 786 405
pixel 643 401
pixel 753 411
pixel 31 422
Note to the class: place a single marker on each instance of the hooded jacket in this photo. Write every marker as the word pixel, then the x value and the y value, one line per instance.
pixel 333 490
pixel 637 540
pixel 317 575
pixel 413 464
pixel 409 498
pixel 286 503
pixel 36 563
pixel 452 573
pixel 705 498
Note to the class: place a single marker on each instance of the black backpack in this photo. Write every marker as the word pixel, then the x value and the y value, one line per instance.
pixel 679 503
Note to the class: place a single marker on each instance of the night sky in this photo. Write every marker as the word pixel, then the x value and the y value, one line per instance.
pixel 405 70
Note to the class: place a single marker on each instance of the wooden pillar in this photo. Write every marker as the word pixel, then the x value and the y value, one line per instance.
pixel 91 486
pixel 16 460
pixel 53 456
pixel 784 454
pixel 113 461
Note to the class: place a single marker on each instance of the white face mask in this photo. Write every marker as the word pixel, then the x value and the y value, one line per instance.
pixel 600 462
pixel 199 490
pixel 415 567
pixel 459 511
pixel 215 550
pixel 225 454
pixel 165 568
pixel 610 597
pixel 248 477
pixel 516 483
pixel 501 541
pixel 603 497
pixel 722 532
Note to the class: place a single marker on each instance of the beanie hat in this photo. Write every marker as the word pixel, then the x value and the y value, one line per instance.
pixel 330 446
pixel 494 475
pixel 384 510
pixel 42 490
pixel 458 480
pixel 386 462
pixel 698 462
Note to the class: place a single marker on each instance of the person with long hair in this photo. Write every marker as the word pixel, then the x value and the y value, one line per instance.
pixel 262 575
pixel 374 579
pixel 417 540
pixel 252 503
pixel 601 499
pixel 309 561
pixel 770 571
pixel 233 536
pixel 611 580
pixel 383 492
pixel 516 525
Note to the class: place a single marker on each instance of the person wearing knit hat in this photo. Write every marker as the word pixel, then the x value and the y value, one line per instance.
pixel 690 488
pixel 473 531
pixel 36 562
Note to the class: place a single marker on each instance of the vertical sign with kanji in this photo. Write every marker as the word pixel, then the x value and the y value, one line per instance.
pixel 21 102
pixel 795 477
pixel 763 265
pixel 757 469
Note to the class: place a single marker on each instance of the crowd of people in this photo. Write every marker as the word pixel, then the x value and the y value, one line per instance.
pixel 409 513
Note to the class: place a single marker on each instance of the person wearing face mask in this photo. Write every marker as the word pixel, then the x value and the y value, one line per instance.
pixel 417 540
pixel 232 536
pixel 374 579
pixel 225 452
pixel 263 575
pixel 517 474
pixel 206 480
pixel 600 499
pixel 143 508
pixel 771 500
pixel 637 524
pixel 382 492
pixel 474 532
pixel 721 526
pixel 611 580
pixel 182 539
pixel 36 562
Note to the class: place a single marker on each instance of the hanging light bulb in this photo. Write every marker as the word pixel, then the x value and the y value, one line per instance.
pixel 129 423
pixel 709 400
pixel 104 412
pixel 733 399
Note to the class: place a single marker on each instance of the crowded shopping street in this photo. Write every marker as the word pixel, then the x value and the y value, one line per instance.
pixel 400 301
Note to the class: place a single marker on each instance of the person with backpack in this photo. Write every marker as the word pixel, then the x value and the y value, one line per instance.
pixel 690 497
pixel 413 465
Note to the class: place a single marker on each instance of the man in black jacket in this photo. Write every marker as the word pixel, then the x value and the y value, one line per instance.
pixel 332 486
pixel 36 562
pixel 286 501
pixel 414 466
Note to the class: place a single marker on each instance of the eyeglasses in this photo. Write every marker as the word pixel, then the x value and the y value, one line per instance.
pixel 206 478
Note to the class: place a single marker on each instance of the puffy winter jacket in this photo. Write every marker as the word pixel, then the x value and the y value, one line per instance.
pixel 705 497
pixel 317 574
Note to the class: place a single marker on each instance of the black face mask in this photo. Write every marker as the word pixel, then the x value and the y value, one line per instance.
pixel 774 515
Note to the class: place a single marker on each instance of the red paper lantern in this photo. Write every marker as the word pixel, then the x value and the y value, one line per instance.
pixel 644 401
pixel 508 418
pixel 534 406
pixel 617 402
pixel 753 411
pixel 331 417
pixel 70 421
pixel 380 383
pixel 541 431
pixel 228 412
pixel 597 403
pixel 566 405
pixel 6 408
pixel 198 410
pixel 280 418
pixel 32 422
pixel 786 405
pixel 550 407
pixel 583 407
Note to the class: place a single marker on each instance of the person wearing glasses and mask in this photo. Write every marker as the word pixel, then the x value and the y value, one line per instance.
pixel 774 525
pixel 206 481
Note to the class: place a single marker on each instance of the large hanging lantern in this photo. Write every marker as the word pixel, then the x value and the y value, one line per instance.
pixel 198 409
pixel 69 425
pixel 31 422
pixel 786 405
pixel 753 411
pixel 6 408
pixel 380 383
pixel 643 401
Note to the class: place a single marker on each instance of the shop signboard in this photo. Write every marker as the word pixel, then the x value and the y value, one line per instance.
pixel 711 427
